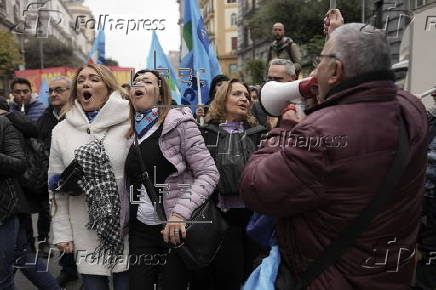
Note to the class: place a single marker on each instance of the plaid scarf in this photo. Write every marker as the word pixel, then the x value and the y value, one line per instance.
pixel 101 192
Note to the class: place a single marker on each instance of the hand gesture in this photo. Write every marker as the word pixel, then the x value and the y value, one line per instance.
pixel 332 20
pixel 173 232
pixel 200 112
pixel 66 247
pixel 290 114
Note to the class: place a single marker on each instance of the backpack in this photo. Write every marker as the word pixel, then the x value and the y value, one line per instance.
pixel 231 153
pixel 34 179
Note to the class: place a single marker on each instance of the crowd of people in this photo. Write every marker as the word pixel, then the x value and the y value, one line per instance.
pixel 119 180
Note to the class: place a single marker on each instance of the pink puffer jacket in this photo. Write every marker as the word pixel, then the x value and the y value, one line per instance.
pixel 183 145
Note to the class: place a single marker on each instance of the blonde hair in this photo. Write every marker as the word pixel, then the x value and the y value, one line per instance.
pixel 217 110
pixel 165 99
pixel 107 77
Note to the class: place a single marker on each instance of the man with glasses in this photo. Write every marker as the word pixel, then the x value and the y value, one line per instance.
pixel 59 92
pixel 280 70
pixel 331 164
pixel 24 100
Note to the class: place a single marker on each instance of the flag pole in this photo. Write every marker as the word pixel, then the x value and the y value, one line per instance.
pixel 200 102
pixel 332 4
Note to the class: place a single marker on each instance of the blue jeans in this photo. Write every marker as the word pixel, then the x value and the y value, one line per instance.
pixel 8 241
pixel 32 267
pixel 98 282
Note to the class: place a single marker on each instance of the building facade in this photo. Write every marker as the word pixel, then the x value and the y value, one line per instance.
pixel 249 48
pixel 174 59
pixel 54 18
pixel 84 36
pixel 221 21
pixel 394 16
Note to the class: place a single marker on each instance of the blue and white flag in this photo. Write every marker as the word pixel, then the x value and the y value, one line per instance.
pixel 161 64
pixel 198 57
pixel 97 54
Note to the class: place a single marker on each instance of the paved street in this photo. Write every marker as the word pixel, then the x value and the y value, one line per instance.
pixel 23 284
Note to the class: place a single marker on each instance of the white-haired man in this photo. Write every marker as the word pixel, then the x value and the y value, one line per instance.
pixel 280 70
pixel 331 164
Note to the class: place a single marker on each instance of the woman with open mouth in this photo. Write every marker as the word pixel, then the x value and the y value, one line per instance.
pixel 231 134
pixel 91 220
pixel 169 147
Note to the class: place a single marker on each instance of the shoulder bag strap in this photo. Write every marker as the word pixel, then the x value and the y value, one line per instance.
pixel 361 223
pixel 145 180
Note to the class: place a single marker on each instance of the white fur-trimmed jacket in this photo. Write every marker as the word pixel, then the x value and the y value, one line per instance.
pixel 70 214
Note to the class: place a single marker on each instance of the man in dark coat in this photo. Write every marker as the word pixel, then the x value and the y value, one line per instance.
pixel 27 129
pixel 346 145
pixel 59 92
pixel 22 241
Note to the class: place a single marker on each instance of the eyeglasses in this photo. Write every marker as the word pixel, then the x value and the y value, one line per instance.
pixel 18 92
pixel 275 79
pixel 142 81
pixel 317 59
pixel 57 90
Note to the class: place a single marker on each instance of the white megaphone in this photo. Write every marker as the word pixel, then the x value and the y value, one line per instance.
pixel 276 96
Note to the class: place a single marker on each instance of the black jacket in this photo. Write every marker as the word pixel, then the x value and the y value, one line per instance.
pixel 259 113
pixel 12 160
pixel 215 140
pixel 26 129
pixel 23 124
pixel 45 125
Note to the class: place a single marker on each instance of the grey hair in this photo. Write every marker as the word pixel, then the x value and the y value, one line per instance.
pixel 361 48
pixel 62 78
pixel 289 65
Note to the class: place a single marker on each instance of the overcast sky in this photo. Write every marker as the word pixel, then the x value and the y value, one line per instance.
pixel 131 50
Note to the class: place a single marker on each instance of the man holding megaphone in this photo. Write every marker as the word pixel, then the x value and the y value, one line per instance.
pixel 345 182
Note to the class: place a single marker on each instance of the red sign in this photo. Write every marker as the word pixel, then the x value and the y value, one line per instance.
pixel 35 76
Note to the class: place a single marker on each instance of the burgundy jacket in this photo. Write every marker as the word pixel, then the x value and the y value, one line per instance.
pixel 319 174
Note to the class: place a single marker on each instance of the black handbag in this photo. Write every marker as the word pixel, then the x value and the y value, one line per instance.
pixel 331 254
pixel 204 231
pixel 67 183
